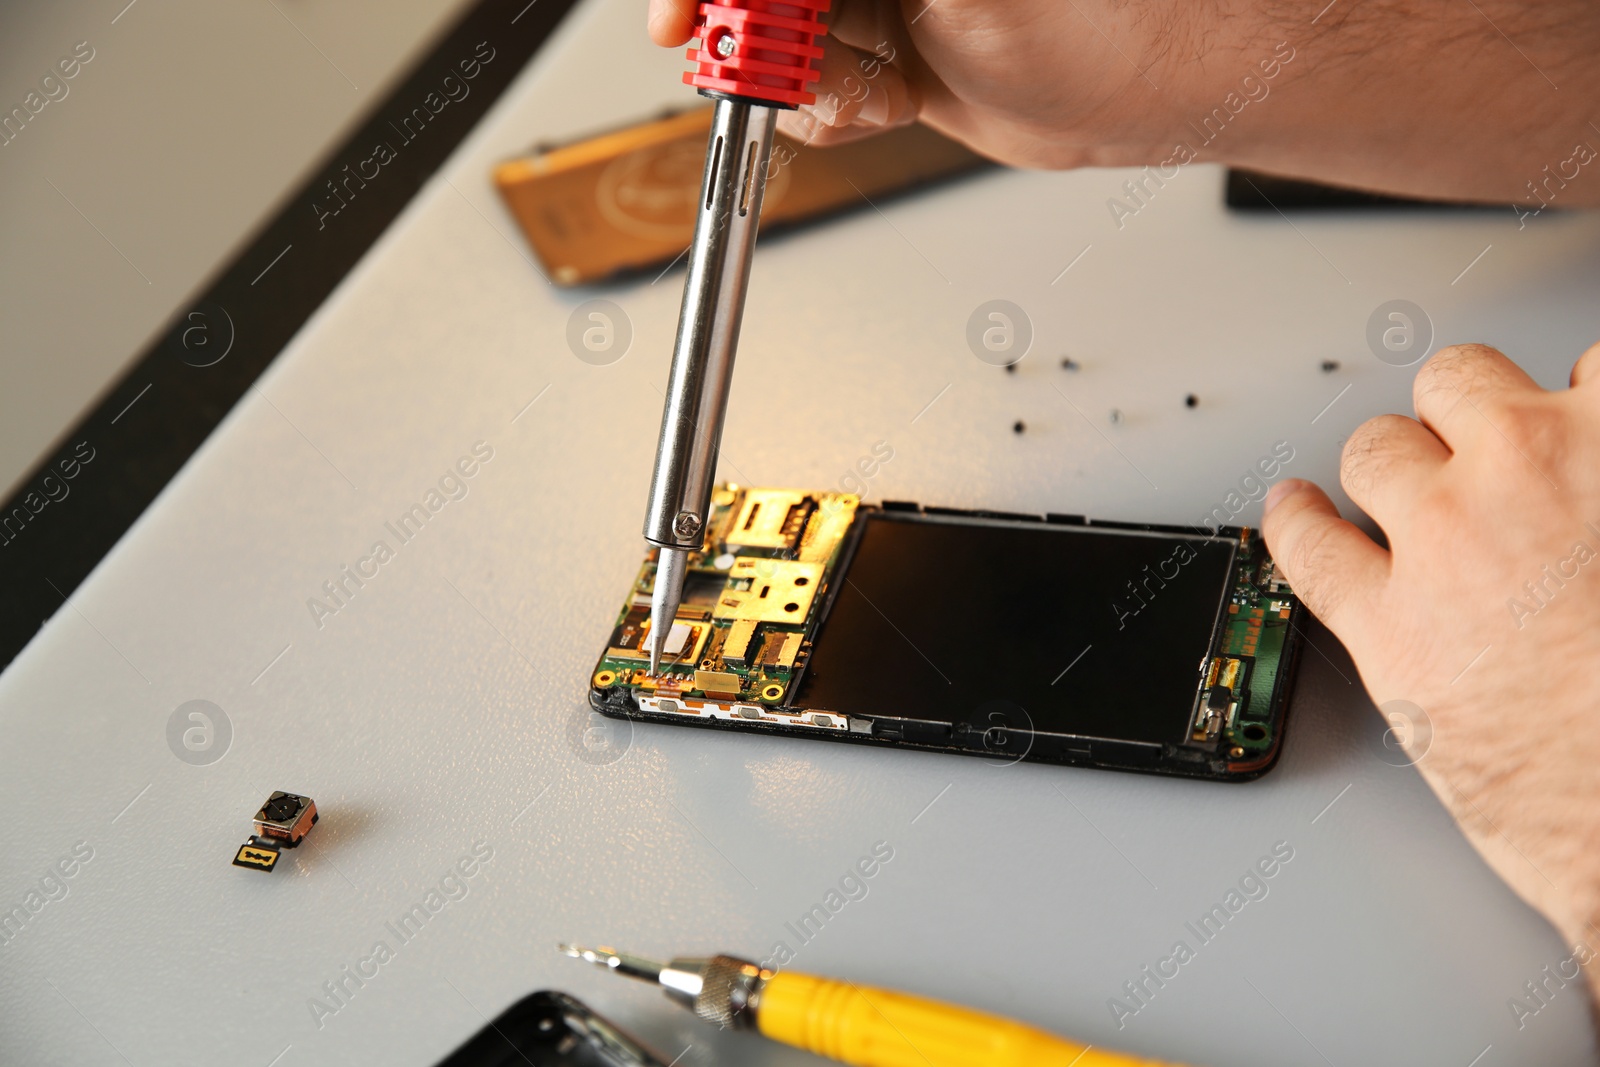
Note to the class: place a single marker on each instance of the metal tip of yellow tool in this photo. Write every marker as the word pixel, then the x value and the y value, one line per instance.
pixel 611 959
pixel 603 956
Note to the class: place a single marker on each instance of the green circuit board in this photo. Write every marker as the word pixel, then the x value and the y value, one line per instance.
pixel 1248 657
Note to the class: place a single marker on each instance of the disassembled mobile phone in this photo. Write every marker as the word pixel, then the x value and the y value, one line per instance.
pixel 1055 638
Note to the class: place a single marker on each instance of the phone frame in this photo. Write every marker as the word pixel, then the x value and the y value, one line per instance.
pixel 1009 743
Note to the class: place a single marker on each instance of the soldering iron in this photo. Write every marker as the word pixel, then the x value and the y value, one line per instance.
pixel 754 58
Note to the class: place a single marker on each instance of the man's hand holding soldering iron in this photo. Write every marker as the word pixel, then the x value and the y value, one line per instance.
pixel 1489 499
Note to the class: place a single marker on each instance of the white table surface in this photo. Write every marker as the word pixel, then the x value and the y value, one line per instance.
pixel 437 709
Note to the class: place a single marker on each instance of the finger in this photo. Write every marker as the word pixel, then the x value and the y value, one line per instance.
pixel 1456 390
pixel 671 22
pixel 1587 369
pixel 869 25
pixel 1334 568
pixel 857 95
pixel 1387 464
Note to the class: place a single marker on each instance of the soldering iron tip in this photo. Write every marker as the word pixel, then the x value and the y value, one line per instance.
pixel 671 566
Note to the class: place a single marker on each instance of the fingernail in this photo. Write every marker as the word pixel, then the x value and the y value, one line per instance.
pixel 875 109
pixel 656 19
pixel 1277 493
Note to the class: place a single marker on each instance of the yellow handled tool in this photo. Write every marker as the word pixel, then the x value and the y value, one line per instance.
pixel 858 1025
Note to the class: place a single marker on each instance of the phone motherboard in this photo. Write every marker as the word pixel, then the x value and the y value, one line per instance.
pixel 750 601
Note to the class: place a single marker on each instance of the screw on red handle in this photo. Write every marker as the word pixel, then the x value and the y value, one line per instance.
pixel 763 50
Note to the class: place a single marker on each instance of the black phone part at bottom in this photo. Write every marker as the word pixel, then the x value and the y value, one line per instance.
pixel 551 1029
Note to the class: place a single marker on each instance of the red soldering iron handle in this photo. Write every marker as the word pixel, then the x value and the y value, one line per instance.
pixel 761 51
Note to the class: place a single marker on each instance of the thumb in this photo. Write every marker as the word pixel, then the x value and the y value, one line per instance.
pixel 671 22
pixel 1587 368
pixel 1334 568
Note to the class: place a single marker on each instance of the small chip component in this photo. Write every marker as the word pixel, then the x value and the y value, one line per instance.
pixel 780 650
pixel 1271 581
pixel 735 649
pixel 771 519
pixel 1217 699
pixel 283 822
pixel 723 684
pixel 1213 713
pixel 675 645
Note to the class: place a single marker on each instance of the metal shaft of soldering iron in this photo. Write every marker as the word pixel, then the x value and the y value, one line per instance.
pixel 737 156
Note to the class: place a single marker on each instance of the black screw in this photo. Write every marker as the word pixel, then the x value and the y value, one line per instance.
pixel 1011 368
pixel 1329 366
pixel 1068 363
pixel 1018 426
pixel 1191 401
